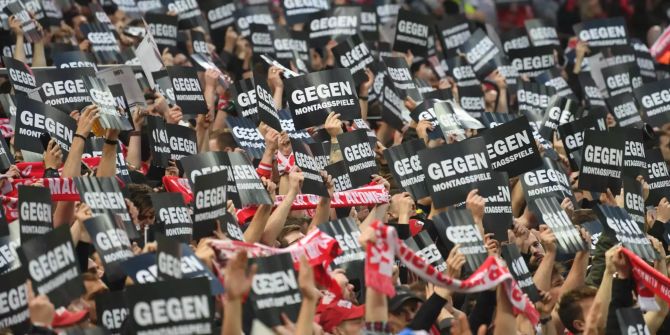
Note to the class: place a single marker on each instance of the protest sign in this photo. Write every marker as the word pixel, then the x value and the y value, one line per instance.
pixel 111 310
pixel 101 96
pixel 659 177
pixel 247 135
pixel 35 119
pixel 369 23
pixel 534 60
pixel 34 212
pixel 550 180
pixel 341 179
pixel 602 161
pixel 108 235
pixel 453 31
pixel 187 89
pixel 9 259
pixel 29 26
pixel 53 266
pixel 123 75
pixel 481 52
pixel 540 33
pixel 346 232
pixel 551 213
pixel 245 99
pixel 74 59
pixel 163 28
pixel 559 110
pixel 634 200
pixel 188 12
pixel 104 45
pixel 354 54
pixel 172 216
pixel 299 11
pixel 210 202
pixel 621 78
pixel 337 23
pixel 424 246
pixel 103 195
pixel 269 302
pixel 498 210
pixel 220 15
pixel 254 14
pixel 168 258
pixel 600 33
pixel 572 136
pixel 618 224
pixel 288 126
pixel 624 110
pixel 64 88
pixel 15 314
pixel 654 100
pixel 511 147
pixel 20 75
pixel 94 148
pixel 412 32
pixel 358 156
pixel 311 170
pixel 631 320
pixel 634 160
pixel 159 143
pixel 405 165
pixel 397 71
pixel 458 227
pixel 182 141
pixel 519 269
pixel 265 105
pixel 247 182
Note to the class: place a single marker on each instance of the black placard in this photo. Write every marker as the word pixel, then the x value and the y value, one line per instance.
pixel 20 75
pixel 220 15
pixel 458 227
pixel 101 96
pixel 163 27
pixel 187 11
pixel 654 100
pixel 34 212
pixel 453 31
pixel 559 111
pixel 297 11
pixel 74 59
pixel 15 314
pixel 602 161
pixel 103 195
pixel 533 98
pixel 358 156
pixel 261 41
pixel 34 119
pixel 412 32
pixel 590 91
pixel 541 34
pixel 209 194
pixel 617 223
pixel 9 259
pixel 53 266
pixel 369 23
pixel 422 244
pixel 104 44
pixel 634 160
pixel 159 143
pixel 28 25
pixel 493 119
pixel 341 21
pixel 601 33
pixel 245 99
pixel 534 60
pixel 553 78
pixel 168 258
pixel 519 269
pixel 269 301
pixel 310 167
pixel 498 210
pixel 404 163
pixel 621 78
pixel 624 110
pixel 567 236
pixel 64 88
pixel 313 96
pixel 341 179
pixel 352 258
pixel 292 47
pixel 644 61
pixel 354 54
pixel 247 15
pixel 398 73
pixel 182 141
pixel 248 184
pixel 94 148
pixel 572 136
pixel 188 299
pixel 481 52
pixel 631 321
pixel 172 217
pixel 471 99
pixel 111 310
pixel 247 136
pixel 659 177
pixel 514 39
pixel 265 105
pixel 288 126
pixel 634 200
pixel 108 234
pixel 548 181
pixel 511 147
pixel 392 104
pixel 187 89
pixel 453 170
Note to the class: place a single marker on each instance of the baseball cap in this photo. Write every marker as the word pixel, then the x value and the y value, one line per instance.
pixel 339 311
pixel 402 295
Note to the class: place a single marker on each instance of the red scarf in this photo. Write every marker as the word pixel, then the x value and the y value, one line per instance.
pixel 645 275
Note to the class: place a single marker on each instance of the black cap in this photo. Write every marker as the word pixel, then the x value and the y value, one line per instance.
pixel 402 295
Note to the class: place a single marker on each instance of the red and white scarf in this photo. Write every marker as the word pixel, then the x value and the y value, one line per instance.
pixel 647 279
pixel 379 267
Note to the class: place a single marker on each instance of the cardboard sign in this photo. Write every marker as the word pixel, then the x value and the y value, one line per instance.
pixel 101 96
pixel 247 15
pixel 9 259
pixel 624 110
pixel 104 44
pixel 533 61
pixel 493 119
pixel 124 75
pixel 172 216
pixel 28 25
pixel 393 109
pixel 182 141
pixel 74 59
pixel 187 89
pixel 458 227
pixel 34 119
pixel 654 100
pixel 634 200
pixel 265 105
pixel 511 147
pixel 619 224
pixel 471 99
pixel 187 299
pixel 168 258
pixel 94 148
pixel 341 179
pixel 210 202
pixel 659 177
pixel 20 75
pixel 369 23
pixel 453 170
pixel 481 52
pixel 261 41
pixel 220 15
pixel 108 234
pixel 346 232
pixel 399 74
pixel 422 244
pixel 245 99
pixel 111 310
pixel 287 44
pixel 337 23
pixel 188 12
pixel 405 165
pixel 602 162
pixel 631 321
pixel 288 126
pixel 533 98
pixel 634 160
pixel 553 78
pixel 548 181
pixel 621 78
pixel 354 54
pixel 644 61
pixel 53 266
pixel 572 136
pixel 541 34
pixel 514 39
pixel 247 136
pixel 453 31
pixel 15 314
pixel 142 269
pixel 313 183
pixel 159 143
pixel 299 11
pixel 590 91
pixel 559 111
pixel 567 236
pixel 269 301
pixel 498 210
pixel 163 28
pixel 149 57
pixel 313 96
pixel 249 186
pixel 519 269
pixel 601 33
pixel 595 229
pixel 412 32
pixel 358 156
pixel 102 195
pixel 64 88
pixel 34 212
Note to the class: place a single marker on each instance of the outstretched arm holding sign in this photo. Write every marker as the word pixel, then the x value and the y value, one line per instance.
pixel 276 221
pixel 107 167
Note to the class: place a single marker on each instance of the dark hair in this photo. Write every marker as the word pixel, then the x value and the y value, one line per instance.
pixel 224 138
pixel 569 308
pixel 139 195
pixel 285 231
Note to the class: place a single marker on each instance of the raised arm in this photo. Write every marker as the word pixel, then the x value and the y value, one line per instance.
pixel 281 212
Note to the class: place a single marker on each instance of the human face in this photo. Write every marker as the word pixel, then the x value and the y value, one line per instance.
pixel 536 250
pixel 347 288
pixel 293 237
pixel 350 327
pixel 93 288
pixel 399 320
